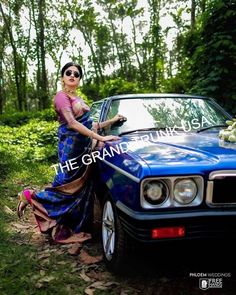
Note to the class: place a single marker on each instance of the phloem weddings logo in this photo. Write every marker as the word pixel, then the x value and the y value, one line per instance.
pixel 210 280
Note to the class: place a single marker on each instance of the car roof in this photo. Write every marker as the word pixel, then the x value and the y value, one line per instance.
pixel 148 95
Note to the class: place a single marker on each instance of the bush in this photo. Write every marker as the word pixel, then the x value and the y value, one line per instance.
pixel 34 141
pixel 20 118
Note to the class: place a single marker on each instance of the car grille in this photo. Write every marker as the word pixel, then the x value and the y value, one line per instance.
pixel 224 190
pixel 221 190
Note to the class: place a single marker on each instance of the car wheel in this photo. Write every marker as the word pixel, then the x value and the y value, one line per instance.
pixel 114 239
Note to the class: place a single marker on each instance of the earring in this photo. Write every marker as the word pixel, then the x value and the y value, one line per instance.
pixel 62 84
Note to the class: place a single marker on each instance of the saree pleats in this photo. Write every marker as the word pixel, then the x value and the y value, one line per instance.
pixel 68 204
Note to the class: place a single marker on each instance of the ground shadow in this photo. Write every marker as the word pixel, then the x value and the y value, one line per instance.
pixel 177 268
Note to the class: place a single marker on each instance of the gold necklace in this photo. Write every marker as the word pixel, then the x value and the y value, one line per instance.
pixel 70 92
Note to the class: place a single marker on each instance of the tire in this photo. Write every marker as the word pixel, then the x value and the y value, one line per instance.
pixel 114 238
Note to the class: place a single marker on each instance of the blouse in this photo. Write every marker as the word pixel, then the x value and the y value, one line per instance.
pixel 68 108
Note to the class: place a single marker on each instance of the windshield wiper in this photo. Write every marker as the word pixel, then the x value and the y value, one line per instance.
pixel 209 127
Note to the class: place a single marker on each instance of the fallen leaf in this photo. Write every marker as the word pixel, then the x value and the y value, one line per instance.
pixel 43 256
pixel 69 288
pixel 21 243
pixel 75 249
pixel 8 210
pixel 35 277
pixel 89 291
pixel 59 252
pixel 37 239
pixel 47 279
pixel 97 285
pixel 45 261
pixel 74 264
pixel 62 262
pixel 39 285
pixel 84 276
pixel 66 246
pixel 20 226
pixel 98 276
pixel 85 258
pixel 91 288
pixel 77 269
pixel 42 272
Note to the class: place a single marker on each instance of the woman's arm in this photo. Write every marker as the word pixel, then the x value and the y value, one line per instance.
pixel 73 124
pixel 109 122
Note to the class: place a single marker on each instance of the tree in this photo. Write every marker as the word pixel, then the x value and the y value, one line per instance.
pixel 39 26
pixel 20 47
pixel 2 49
pixel 155 45
pixel 212 53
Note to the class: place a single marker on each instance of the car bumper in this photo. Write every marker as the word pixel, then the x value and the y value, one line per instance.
pixel 204 224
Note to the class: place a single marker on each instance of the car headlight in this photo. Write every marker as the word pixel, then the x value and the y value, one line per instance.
pixel 155 192
pixel 185 191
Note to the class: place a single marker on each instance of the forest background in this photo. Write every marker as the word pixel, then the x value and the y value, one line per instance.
pixel 122 47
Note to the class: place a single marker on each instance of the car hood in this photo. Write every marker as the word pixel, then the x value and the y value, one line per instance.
pixel 184 153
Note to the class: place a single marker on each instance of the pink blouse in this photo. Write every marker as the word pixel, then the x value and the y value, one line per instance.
pixel 68 108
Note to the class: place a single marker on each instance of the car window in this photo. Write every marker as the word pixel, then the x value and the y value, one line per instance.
pixel 95 110
pixel 165 112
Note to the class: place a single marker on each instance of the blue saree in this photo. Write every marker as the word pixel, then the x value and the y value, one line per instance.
pixel 68 204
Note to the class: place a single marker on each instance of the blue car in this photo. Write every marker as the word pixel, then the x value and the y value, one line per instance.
pixel 169 177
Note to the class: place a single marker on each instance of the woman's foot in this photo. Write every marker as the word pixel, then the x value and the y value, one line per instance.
pixel 24 200
pixel 21 208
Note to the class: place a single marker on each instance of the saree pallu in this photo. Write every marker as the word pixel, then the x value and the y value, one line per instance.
pixel 67 206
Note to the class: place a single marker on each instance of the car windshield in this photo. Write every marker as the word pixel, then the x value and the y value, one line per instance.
pixel 187 114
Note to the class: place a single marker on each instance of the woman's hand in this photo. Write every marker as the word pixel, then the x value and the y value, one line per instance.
pixel 110 138
pixel 118 117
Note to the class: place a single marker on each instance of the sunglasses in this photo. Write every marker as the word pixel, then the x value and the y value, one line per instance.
pixel 69 72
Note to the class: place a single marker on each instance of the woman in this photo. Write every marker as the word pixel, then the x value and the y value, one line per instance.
pixel 65 208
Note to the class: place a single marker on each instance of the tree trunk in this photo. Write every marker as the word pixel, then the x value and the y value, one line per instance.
pixel 2 46
pixel 155 40
pixel 41 42
pixel 193 13
pixel 115 40
pixel 16 59
pixel 136 50
pixel 1 85
pixel 203 5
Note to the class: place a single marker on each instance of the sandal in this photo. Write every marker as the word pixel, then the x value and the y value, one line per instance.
pixel 24 199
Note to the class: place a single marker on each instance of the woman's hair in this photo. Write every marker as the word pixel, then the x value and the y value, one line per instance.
pixel 70 64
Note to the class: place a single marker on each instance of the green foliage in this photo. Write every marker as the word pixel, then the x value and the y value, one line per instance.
pixel 110 87
pixel 86 98
pixel 211 51
pixel 34 141
pixel 118 86
pixel 174 85
pixel 91 90
pixel 20 118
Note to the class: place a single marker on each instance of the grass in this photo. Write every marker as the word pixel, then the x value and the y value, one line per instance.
pixel 29 263
pixel 23 270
